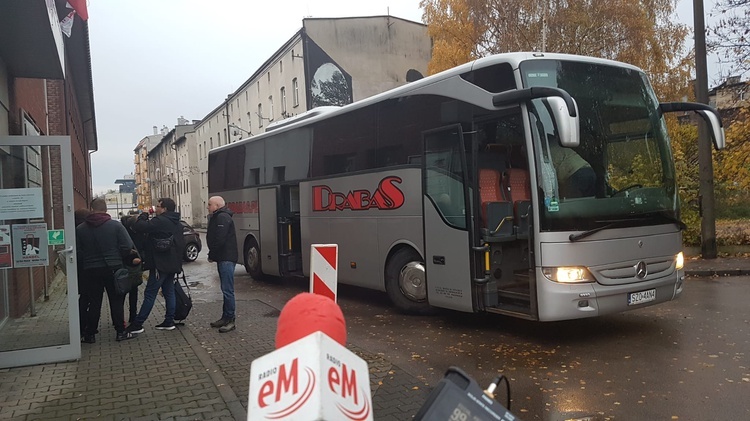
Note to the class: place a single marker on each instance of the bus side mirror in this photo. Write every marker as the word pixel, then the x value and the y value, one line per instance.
pixel 709 114
pixel 562 106
pixel 567 123
pixel 715 127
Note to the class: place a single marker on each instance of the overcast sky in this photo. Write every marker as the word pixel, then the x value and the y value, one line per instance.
pixel 156 60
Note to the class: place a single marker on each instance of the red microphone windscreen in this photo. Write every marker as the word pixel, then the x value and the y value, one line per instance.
pixel 307 313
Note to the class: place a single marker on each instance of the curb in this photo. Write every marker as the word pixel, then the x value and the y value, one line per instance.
pixel 214 371
pixel 717 272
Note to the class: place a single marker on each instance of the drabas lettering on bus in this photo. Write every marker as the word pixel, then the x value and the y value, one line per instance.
pixel 386 197
pixel 243 207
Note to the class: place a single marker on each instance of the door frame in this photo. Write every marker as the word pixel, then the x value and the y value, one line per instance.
pixel 71 350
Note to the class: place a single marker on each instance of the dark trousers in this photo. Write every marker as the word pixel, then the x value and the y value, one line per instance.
pixel 132 304
pixel 96 281
pixel 83 302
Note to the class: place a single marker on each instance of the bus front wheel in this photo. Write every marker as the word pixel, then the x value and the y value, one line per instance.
pixel 406 283
pixel 252 260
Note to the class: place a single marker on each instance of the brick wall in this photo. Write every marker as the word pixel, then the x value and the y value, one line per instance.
pixel 29 97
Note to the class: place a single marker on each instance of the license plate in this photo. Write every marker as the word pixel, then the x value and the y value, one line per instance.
pixel 641 297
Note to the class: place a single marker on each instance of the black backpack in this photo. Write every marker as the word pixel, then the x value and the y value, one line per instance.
pixel 183 301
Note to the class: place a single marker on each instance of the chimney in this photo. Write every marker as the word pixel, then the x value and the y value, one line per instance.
pixel 156 131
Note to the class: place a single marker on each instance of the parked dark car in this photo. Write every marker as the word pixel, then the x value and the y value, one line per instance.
pixel 193 244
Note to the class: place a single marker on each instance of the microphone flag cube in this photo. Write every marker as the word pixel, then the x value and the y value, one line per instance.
pixel 313 378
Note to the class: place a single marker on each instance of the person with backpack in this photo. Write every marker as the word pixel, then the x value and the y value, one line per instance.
pixel 163 258
pixel 222 249
pixel 103 247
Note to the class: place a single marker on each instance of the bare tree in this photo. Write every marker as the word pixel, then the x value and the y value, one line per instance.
pixel 730 37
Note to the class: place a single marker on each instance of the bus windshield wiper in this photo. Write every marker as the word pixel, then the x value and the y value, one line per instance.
pixel 657 216
pixel 611 224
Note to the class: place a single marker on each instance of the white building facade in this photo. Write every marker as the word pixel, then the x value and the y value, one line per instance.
pixel 168 177
pixel 188 178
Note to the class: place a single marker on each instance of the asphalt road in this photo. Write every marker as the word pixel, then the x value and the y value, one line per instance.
pixel 683 360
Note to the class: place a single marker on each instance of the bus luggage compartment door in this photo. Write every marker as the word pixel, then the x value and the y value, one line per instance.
pixel 269 232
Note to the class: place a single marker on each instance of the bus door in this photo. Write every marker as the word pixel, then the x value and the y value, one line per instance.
pixel 290 237
pixel 446 215
pixel 269 231
pixel 504 222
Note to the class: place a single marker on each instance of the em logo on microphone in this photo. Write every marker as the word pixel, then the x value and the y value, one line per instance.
pixel 313 378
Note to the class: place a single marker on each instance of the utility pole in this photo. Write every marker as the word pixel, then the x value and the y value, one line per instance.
pixel 544 27
pixel 705 163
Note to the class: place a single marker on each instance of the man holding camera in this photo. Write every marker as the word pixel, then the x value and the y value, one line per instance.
pixel 163 248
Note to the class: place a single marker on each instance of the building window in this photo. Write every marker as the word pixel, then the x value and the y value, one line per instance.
pixel 281 66
pixel 268 76
pixel 257 85
pixel 295 92
pixel 270 108
pixel 200 151
pixel 211 139
pixel 282 94
pixel 260 115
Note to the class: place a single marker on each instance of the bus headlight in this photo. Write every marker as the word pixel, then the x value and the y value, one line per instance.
pixel 679 261
pixel 568 274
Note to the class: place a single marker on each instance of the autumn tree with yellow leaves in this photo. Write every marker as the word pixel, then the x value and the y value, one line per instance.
pixel 643 33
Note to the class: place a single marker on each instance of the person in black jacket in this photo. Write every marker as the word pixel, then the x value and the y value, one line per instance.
pixel 222 249
pixel 163 264
pixel 138 240
pixel 103 246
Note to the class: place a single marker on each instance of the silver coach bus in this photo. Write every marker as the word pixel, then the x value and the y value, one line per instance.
pixel 539 186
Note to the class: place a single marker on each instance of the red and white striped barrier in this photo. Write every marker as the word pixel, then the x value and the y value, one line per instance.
pixel 324 269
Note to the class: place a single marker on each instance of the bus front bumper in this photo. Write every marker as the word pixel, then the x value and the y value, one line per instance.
pixel 559 301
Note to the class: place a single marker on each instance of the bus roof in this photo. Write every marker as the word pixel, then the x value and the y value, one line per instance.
pixel 514 59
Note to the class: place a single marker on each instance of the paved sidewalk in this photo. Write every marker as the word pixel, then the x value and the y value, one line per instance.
pixel 194 372
pixel 190 373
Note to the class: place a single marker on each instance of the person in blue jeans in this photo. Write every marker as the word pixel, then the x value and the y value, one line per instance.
pixel 222 249
pixel 163 258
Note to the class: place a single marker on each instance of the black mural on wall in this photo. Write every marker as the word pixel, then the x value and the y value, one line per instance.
pixel 329 83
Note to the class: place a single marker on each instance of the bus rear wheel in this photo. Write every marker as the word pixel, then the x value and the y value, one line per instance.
pixel 252 260
pixel 406 283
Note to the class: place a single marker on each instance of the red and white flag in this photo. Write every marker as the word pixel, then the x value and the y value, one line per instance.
pixel 66 25
pixel 80 7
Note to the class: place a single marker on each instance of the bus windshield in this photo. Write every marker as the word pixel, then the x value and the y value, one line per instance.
pixel 623 168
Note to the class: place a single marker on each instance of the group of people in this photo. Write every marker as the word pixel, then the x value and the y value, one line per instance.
pixel 139 242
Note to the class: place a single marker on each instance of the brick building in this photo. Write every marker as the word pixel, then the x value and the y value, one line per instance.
pixel 45 90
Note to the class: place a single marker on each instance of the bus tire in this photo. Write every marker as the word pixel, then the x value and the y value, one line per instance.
pixel 405 282
pixel 252 260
